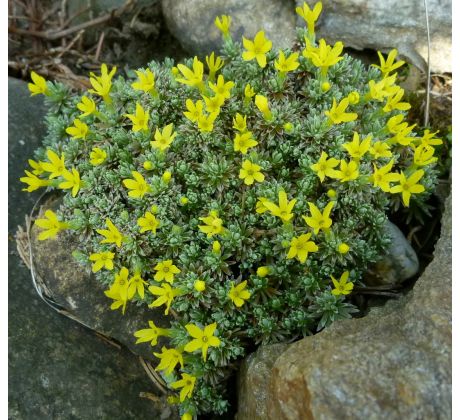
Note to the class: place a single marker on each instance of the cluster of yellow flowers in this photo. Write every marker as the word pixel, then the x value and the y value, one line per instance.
pixel 202 113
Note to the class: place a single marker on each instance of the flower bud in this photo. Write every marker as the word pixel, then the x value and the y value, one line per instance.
pixel 216 247
pixel 148 166
pixel 353 98
pixel 184 200
pixel 263 271
pixel 343 248
pixel 325 86
pixel 166 177
pixel 331 193
pixel 199 285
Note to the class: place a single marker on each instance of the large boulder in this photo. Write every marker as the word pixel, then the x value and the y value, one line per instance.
pixel 384 25
pixel 192 21
pixel 394 363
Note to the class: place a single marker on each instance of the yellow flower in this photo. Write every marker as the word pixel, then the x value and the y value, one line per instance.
pixel 169 358
pixel 38 86
pixel 206 122
pixel 164 138
pixel 325 167
pixel 343 248
pixel 257 48
pixel 187 416
pixel 262 103
pixel 409 186
pixel 423 155
pixel 150 334
pixel 379 149
pixel 187 383
pixel 199 285
pixel 310 16
pixel 260 206
pixel 393 102
pixel 428 139
pixel 337 113
pixel 343 286
pixel 401 133
pixel 37 166
pixel 357 149
pixel 386 87
pixel 283 209
pixel 115 293
pixel 72 181
pixel 195 110
pixel 166 295
pixel 136 284
pixel 223 24
pixel 285 65
pixel 112 234
pixel 263 271
pixel 102 260
pixel 102 84
pixel 324 56
pixel 222 87
pixel 213 104
pixel 319 220
pixel 238 294
pixel 148 222
pixel 51 224
pixel 165 270
pixel 239 123
pixel 249 92
pixel 145 82
pixel 353 98
pixel 33 182
pixel 300 247
pixel 212 224
pixel 138 185
pixel 97 156
pixel 243 142
pixel 79 130
pixel 87 106
pixel 192 78
pixel 118 291
pixel 250 172
pixel 55 166
pixel 203 339
pixel 382 176
pixel 140 119
pixel 214 65
pixel 389 65
pixel 348 171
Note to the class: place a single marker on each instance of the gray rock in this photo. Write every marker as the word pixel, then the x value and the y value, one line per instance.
pixel 252 382
pixel 78 292
pixel 384 25
pixel 57 369
pixel 395 363
pixel 398 264
pixel 192 21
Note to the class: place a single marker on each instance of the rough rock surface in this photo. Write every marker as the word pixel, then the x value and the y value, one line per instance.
pixel 394 363
pixel 253 384
pixel 82 295
pixel 57 369
pixel 398 264
pixel 192 21
pixel 384 25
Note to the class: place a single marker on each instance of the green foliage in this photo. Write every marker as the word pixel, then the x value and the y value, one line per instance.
pixel 295 298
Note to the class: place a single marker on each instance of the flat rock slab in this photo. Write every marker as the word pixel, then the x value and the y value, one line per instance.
pixel 395 363
pixel 78 292
pixel 57 369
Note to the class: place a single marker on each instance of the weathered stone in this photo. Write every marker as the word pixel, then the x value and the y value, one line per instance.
pixel 192 21
pixel 253 392
pixel 384 25
pixel 57 369
pixel 82 295
pixel 398 264
pixel 395 363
